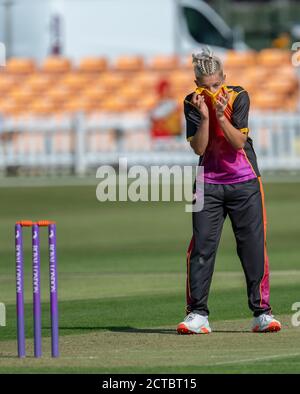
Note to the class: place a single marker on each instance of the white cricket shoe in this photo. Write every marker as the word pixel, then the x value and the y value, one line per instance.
pixel 265 323
pixel 194 324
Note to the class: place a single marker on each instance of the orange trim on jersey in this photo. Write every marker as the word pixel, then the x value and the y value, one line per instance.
pixel 188 258
pixel 229 109
pixel 233 97
pixel 228 112
pixel 265 235
pixel 245 130
pixel 249 162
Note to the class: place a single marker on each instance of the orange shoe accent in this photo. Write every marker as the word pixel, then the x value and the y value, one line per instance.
pixel 183 330
pixel 204 330
pixel 272 327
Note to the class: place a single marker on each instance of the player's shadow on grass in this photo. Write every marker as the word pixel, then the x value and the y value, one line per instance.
pixel 128 329
pixel 231 331
pixel 143 330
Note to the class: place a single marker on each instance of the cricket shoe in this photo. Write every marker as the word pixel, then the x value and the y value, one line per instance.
pixel 265 323
pixel 194 324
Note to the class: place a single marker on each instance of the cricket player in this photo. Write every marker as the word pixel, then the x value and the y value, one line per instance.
pixel 217 129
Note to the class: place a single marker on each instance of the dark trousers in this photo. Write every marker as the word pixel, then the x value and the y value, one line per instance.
pixel 244 204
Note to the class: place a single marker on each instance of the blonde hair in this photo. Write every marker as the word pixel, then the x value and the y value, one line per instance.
pixel 206 63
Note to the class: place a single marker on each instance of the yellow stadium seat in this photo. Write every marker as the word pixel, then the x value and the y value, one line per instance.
pixel 146 79
pixel 21 95
pixel 146 102
pixel 8 106
pixel 115 104
pixel 129 63
pixel 20 66
pixel 287 70
pixel 77 104
pixel 93 65
pixel 7 83
pixel 75 81
pixel 56 64
pixel 267 101
pixel 59 94
pixel 181 92
pixel 42 106
pixel 94 93
pixel 111 80
pixel 292 104
pixel 273 57
pixel 131 92
pixel 38 82
pixel 255 75
pixel 237 59
pixel 181 78
pixel 280 85
pixel 237 80
pixel 163 63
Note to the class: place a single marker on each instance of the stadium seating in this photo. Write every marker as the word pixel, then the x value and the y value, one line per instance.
pixel 56 64
pixel 129 83
pixel 164 63
pixel 146 79
pixel 273 57
pixel 235 59
pixel 93 65
pixel 20 66
pixel 129 63
pixel 38 83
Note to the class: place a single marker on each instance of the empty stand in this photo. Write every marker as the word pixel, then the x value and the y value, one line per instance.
pixel 129 83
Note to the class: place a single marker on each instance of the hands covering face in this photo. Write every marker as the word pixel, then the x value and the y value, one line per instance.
pixel 219 100
pixel 221 103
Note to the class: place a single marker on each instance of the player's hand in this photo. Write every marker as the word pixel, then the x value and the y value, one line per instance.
pixel 199 102
pixel 221 104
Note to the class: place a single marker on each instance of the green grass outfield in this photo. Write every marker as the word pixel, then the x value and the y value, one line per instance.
pixel 122 287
